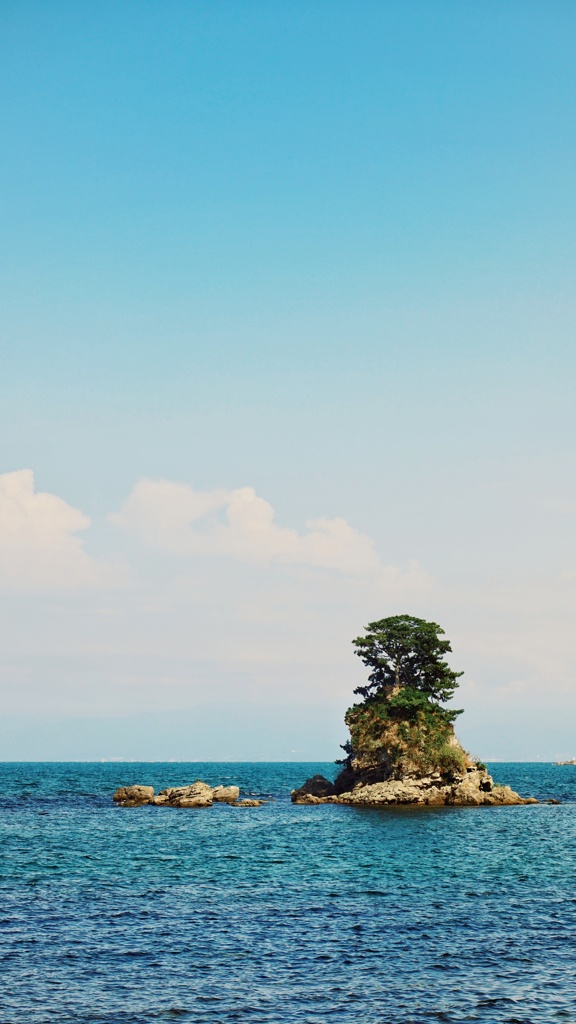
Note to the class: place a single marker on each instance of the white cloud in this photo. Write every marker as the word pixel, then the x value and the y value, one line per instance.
pixel 38 542
pixel 241 525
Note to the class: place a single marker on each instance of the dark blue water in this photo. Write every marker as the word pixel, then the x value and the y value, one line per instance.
pixel 280 913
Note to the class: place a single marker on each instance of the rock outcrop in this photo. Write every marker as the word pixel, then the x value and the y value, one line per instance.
pixel 198 794
pixel 571 761
pixel 472 789
pixel 132 796
pixel 226 794
pixel 405 760
pixel 318 788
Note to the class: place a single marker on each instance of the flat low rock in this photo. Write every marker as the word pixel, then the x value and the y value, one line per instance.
pixel 505 795
pixel 309 798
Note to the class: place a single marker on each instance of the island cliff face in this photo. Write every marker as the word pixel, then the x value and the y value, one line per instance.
pixel 399 759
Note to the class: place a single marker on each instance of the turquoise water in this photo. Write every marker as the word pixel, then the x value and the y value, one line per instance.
pixel 281 913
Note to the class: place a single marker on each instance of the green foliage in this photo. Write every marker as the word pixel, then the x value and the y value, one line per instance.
pixel 411 704
pixel 408 704
pixel 347 748
pixel 415 734
pixel 406 658
pixel 447 758
pixel 426 741
pixel 401 726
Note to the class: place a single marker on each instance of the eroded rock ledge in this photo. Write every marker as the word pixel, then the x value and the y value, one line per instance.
pixel 473 787
pixel 198 794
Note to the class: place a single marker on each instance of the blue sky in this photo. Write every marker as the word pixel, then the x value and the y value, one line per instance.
pixel 322 250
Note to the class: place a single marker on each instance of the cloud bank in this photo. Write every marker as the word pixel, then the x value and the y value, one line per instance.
pixel 194 625
pixel 240 524
pixel 38 543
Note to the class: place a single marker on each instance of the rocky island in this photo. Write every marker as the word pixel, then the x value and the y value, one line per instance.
pixel 402 747
pixel 197 794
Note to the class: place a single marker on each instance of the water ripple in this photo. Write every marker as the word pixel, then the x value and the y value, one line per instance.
pixel 281 914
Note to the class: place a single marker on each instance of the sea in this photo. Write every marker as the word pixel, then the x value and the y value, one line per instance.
pixel 281 914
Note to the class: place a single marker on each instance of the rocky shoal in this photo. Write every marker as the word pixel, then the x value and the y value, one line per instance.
pixel 198 794
pixel 472 788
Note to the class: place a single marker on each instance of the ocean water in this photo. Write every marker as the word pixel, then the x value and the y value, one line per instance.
pixel 282 914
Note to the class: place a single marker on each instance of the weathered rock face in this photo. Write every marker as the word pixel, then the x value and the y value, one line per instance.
pixel 226 794
pixel 198 794
pixel 132 796
pixel 383 747
pixel 474 788
pixel 395 761
pixel 317 787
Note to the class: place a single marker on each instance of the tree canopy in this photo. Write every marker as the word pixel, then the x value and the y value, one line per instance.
pixel 406 654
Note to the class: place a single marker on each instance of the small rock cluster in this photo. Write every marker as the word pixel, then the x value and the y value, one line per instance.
pixel 473 787
pixel 198 794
